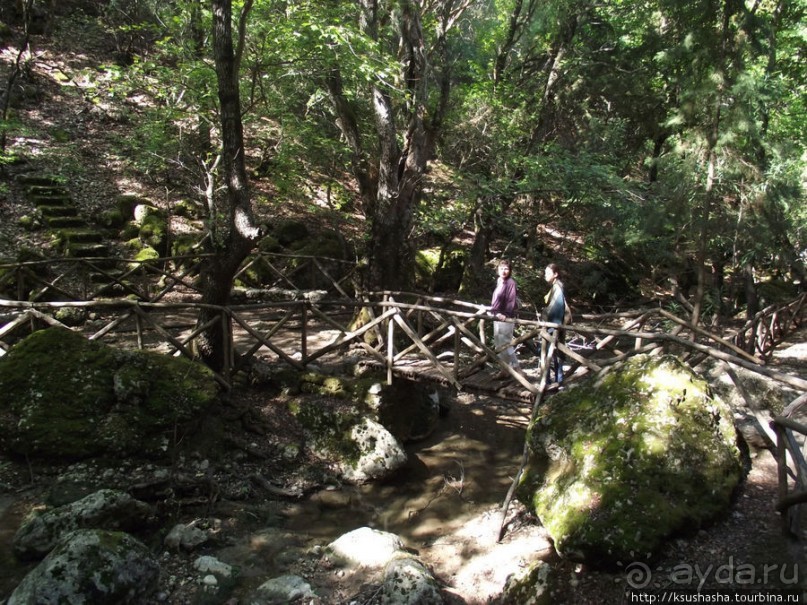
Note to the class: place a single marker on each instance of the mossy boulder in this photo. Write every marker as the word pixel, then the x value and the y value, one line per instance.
pixel 112 218
pixel 345 437
pixel 439 270
pixel 329 247
pixel 409 410
pixel 154 230
pixel 288 232
pixel 92 566
pixel 104 509
pixel 141 253
pixel 324 244
pixel 127 202
pixel 536 584
pixel 619 464
pixel 188 209
pixel 64 396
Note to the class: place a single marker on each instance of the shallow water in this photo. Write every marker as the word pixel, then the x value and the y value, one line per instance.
pixel 465 466
pixel 444 504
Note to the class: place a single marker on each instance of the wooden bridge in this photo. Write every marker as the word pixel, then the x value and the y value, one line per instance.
pixel 311 311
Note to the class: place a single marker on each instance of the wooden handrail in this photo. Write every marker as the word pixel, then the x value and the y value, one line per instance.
pixel 447 320
pixel 789 453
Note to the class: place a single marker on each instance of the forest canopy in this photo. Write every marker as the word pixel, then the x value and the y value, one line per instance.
pixel 668 137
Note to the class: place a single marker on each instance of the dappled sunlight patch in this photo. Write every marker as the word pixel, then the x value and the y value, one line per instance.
pixel 472 562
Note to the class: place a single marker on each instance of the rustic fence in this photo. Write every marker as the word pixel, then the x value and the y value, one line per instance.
pixel 424 337
pixel 153 280
pixel 760 334
pixel 791 440
pixel 154 304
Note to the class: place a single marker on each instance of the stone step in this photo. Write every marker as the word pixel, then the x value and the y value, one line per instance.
pixel 86 250
pixel 105 278
pixel 80 234
pixel 35 191
pixel 51 200
pixel 73 232
pixel 65 222
pixel 37 179
pixel 49 211
pixel 107 263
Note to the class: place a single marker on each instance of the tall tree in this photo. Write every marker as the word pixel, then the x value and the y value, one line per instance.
pixel 232 226
pixel 406 95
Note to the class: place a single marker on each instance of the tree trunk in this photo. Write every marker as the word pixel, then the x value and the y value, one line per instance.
pixel 233 229
pixel 718 282
pixel 751 298
pixel 391 184
pixel 709 189
pixel 474 273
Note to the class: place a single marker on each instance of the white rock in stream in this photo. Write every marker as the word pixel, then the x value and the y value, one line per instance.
pixel 365 547
pixel 280 590
pixel 381 453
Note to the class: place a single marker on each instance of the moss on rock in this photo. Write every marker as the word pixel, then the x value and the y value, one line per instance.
pixel 62 395
pixel 328 428
pixel 536 584
pixel 618 465
pixel 343 431
pixel 289 231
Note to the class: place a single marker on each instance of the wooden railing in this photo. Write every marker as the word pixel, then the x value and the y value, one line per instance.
pixel 152 280
pixel 439 339
pixel 791 440
pixel 760 334
pixel 155 304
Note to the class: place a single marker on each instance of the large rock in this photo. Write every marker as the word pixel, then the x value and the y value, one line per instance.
pixel 409 410
pixel 92 566
pixel 534 584
pixel 407 581
pixel 64 396
pixel 619 464
pixel 404 578
pixel 358 448
pixel 104 509
pixel 283 589
pixel 365 547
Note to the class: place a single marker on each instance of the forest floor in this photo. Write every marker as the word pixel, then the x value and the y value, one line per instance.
pixel 445 505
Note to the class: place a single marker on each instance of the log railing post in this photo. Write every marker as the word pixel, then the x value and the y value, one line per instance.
pixel 139 331
pixel 229 345
pixel 304 332
pixel 781 465
pixel 390 349
pixel 20 283
pixel 457 344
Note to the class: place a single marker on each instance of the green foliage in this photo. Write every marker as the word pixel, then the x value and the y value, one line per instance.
pixel 599 118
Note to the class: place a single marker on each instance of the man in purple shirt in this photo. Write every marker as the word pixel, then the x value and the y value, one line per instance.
pixel 503 306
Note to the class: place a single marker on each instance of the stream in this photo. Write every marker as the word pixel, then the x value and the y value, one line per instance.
pixel 444 504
